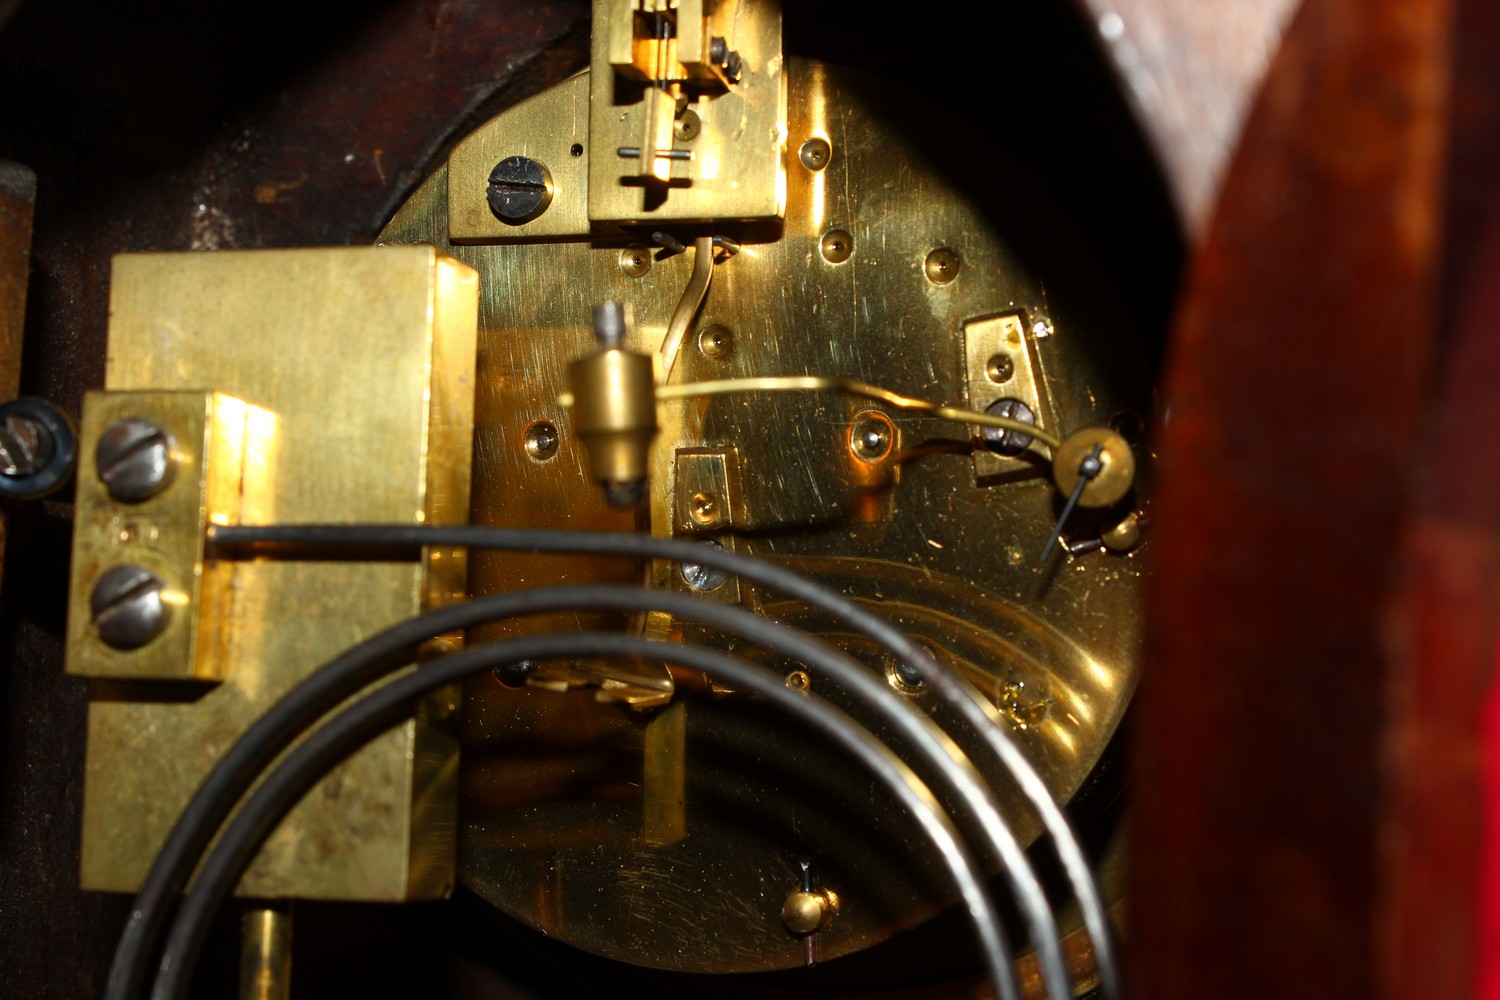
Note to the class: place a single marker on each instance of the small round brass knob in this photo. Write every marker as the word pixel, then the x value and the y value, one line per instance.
pixel 807 912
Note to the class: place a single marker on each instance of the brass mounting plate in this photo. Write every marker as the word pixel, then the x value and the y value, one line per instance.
pixel 1001 364
pixel 551 128
pixel 359 366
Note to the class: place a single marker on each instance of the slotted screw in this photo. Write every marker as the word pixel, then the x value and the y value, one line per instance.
pixel 25 446
pixel 520 189
pixel 134 460
pixel 128 607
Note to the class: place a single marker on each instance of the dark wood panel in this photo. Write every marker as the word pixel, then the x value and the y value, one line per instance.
pixel 1299 398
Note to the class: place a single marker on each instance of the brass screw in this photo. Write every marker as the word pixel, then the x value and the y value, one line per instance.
pixel 1000 368
pixel 799 680
pixel 815 153
pixel 1124 536
pixel 837 246
pixel 703 508
pixel 635 261
pixel 904 677
pixel 688 126
pixel 541 440
pixel 941 266
pixel 716 342
pixel 805 912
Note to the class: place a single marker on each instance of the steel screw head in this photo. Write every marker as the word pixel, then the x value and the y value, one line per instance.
pixel 729 61
pixel 25 446
pixel 904 677
pixel 734 67
pixel 134 460
pixel 704 578
pixel 38 449
pixel 871 436
pixel 520 189
pixel 128 607
pixel 1003 441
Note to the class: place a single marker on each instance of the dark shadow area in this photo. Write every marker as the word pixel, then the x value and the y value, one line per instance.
pixel 1071 167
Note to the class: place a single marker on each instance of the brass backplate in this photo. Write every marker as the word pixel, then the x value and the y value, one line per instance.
pixel 357 369
pixel 551 128
pixel 569 820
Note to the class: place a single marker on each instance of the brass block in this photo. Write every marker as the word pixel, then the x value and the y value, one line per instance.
pixel 1001 363
pixel 737 170
pixel 546 128
pixel 363 360
pixel 165 534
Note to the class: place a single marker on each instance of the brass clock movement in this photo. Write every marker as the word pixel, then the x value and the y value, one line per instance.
pixel 703 294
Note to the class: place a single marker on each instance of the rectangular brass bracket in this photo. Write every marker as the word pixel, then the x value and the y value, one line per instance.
pixel 707 501
pixel 1000 363
pixel 726 161
pixel 163 534
pixel 550 129
pixel 707 490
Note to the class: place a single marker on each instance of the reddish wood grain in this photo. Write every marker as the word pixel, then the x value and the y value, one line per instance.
pixel 1444 614
pixel 1298 391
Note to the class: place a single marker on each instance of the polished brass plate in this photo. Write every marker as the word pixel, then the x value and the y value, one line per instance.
pixel 671 839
